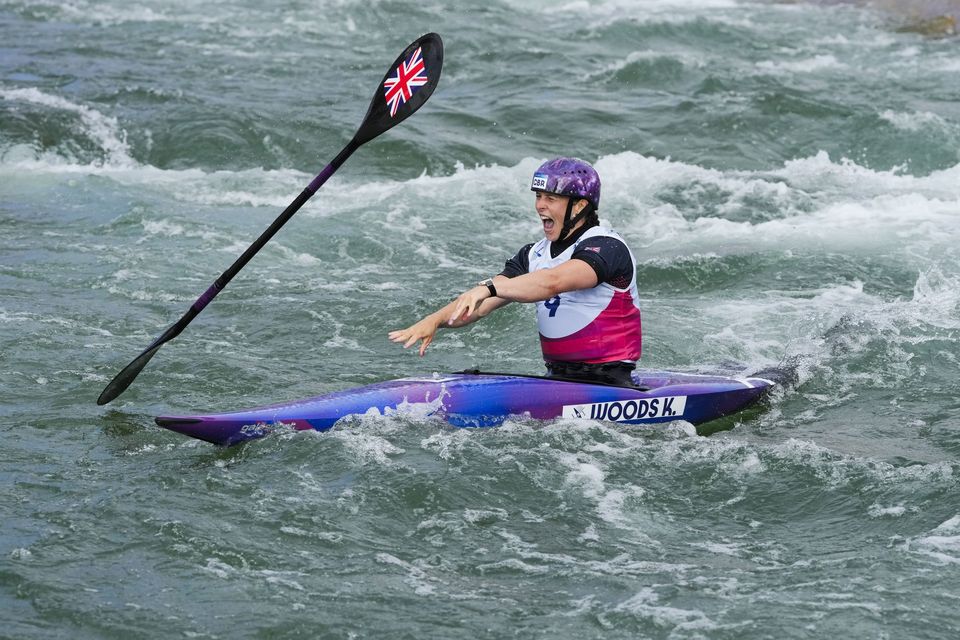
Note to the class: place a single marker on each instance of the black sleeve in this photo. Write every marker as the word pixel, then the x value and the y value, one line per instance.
pixel 518 264
pixel 609 258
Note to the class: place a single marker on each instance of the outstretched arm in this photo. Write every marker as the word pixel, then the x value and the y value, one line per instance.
pixel 530 287
pixel 425 329
pixel 475 303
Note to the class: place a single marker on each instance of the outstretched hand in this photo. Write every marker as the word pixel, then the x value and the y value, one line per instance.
pixel 466 305
pixel 462 311
pixel 423 330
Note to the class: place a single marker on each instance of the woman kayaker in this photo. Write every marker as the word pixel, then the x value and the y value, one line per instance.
pixel 581 275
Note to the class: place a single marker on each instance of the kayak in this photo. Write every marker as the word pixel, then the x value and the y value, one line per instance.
pixel 476 399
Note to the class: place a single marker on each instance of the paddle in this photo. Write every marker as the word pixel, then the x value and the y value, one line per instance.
pixel 408 84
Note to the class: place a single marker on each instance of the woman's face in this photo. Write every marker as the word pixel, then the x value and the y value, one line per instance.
pixel 552 208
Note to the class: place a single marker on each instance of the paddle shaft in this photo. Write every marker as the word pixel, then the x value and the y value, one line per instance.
pixel 123 380
pixel 252 250
pixel 408 84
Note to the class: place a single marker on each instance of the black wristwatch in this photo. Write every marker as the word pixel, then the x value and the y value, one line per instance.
pixel 488 283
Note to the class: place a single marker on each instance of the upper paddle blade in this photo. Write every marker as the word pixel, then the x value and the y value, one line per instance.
pixel 408 84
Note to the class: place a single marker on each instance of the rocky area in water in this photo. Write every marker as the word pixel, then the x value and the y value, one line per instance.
pixel 934 18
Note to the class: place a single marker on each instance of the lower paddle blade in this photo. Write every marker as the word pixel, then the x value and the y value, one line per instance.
pixel 123 379
pixel 408 84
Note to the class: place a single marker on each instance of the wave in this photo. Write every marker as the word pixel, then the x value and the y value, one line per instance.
pixel 103 130
pixel 665 207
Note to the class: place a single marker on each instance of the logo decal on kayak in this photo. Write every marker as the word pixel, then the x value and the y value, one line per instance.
pixel 539 181
pixel 256 430
pixel 408 77
pixel 625 410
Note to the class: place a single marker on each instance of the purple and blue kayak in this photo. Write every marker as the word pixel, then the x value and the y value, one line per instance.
pixel 487 399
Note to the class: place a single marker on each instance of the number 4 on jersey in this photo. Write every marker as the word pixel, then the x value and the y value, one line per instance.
pixel 552 304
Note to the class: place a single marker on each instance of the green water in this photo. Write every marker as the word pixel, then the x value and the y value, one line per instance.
pixel 788 176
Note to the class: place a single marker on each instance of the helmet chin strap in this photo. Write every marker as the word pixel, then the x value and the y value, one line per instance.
pixel 568 222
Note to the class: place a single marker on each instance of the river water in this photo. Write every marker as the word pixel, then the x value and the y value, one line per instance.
pixel 788 176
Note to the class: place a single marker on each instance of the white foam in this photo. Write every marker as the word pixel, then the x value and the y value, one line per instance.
pixel 821 172
pixel 584 475
pixel 104 130
pixel 367 441
pixel 914 120
pixel 107 15
pixel 660 10
pixel 282 578
pixel 720 548
pixel 587 475
pixel 217 567
pixel 935 300
pixel 589 535
pixel 249 187
pixel 367 447
pixel 514 565
pixel 448 444
pixel 484 516
pixel 878 511
pixel 643 605
pixel 805 65
pixel 20 553
pixel 819 204
pixel 687 59
pixel 146 296
pixel 815 203
pixel 943 543
pixel 416 578
pixel 756 330
pixel 340 342
pixel 625 7
pixel 625 565
pixel 166 228
pixel 831 468
pixel 325 536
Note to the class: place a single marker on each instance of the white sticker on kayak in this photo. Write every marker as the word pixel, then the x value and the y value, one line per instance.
pixel 625 410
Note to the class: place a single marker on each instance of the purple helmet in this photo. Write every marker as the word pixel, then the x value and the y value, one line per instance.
pixel 568 177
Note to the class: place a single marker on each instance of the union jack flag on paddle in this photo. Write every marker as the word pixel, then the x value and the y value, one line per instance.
pixel 410 76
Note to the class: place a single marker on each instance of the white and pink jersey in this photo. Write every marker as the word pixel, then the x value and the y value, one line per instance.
pixel 595 325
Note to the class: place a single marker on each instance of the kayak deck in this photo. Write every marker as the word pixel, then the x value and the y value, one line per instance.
pixel 485 400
